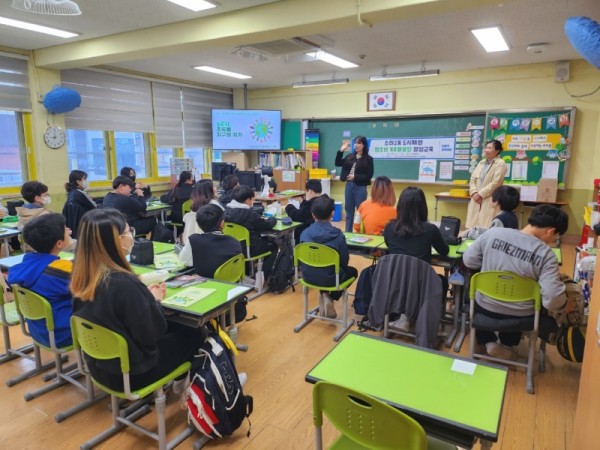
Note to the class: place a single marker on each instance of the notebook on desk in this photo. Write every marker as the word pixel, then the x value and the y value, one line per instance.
pixel 188 296
pixel 360 239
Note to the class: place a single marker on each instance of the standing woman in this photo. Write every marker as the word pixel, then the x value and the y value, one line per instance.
pixel 357 171
pixel 78 201
pixel 107 292
pixel 487 176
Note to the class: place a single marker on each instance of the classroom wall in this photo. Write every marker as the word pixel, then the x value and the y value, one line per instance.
pixel 515 87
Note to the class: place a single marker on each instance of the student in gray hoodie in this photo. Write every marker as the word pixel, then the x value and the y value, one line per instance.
pixel 322 232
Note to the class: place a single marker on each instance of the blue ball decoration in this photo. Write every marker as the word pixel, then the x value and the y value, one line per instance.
pixel 61 100
pixel 584 34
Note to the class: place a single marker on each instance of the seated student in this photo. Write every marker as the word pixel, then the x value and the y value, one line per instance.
pixel 179 195
pixel 507 198
pixel 107 292
pixel 131 203
pixel 302 212
pixel 207 251
pixel 379 210
pixel 526 253
pixel 36 194
pixel 43 272
pixel 203 193
pixel 228 183
pixel 78 201
pixel 322 232
pixel 239 211
pixel 129 172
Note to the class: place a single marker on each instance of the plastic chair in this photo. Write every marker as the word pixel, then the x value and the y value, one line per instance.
pixel 367 423
pixel 32 306
pixel 511 288
pixel 186 207
pixel 318 255
pixel 232 271
pixel 9 317
pixel 101 343
pixel 242 234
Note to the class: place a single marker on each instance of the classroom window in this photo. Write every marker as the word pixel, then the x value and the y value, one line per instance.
pixel 12 150
pixel 130 151
pixel 197 154
pixel 86 150
pixel 163 160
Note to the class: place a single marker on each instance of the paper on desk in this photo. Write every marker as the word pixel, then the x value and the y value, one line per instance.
pixel 465 367
pixel 234 292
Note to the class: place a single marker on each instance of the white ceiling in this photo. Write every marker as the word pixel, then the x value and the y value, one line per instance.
pixel 443 40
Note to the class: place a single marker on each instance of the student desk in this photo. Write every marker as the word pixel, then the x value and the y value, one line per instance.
pixel 5 235
pixel 12 224
pixel 281 230
pixel 430 386
pixel 158 209
pixel 278 196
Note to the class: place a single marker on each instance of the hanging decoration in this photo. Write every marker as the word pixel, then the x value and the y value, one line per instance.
pixel 61 100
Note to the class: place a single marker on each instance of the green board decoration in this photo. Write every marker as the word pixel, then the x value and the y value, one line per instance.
pixel 537 143
pixel 427 149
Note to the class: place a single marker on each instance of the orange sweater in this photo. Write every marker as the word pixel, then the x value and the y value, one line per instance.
pixel 374 217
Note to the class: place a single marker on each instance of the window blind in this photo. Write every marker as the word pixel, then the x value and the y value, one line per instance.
pixel 197 120
pixel 109 102
pixel 168 117
pixel 14 84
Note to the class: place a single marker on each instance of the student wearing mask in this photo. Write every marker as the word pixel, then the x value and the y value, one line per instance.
pixel 78 201
pixel 132 206
pixel 130 173
pixel 38 200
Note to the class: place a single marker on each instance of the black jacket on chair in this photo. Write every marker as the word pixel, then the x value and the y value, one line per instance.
pixel 177 197
pixel 77 204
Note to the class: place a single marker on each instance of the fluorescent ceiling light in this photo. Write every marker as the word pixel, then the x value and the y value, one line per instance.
pixel 395 76
pixel 194 5
pixel 37 28
pixel 222 72
pixel 332 59
pixel 491 39
pixel 303 83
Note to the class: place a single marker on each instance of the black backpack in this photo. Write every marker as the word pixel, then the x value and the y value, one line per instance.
pixel 161 233
pixel 215 401
pixel 364 291
pixel 282 276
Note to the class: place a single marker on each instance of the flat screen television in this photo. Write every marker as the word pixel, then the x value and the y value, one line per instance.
pixel 250 178
pixel 246 129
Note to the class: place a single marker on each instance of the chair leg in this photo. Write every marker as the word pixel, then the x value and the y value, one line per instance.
pixel 542 362
pixel 116 426
pixel 39 367
pixel 309 316
pixel 463 332
pixel 472 343
pixel 530 361
pixel 59 380
pixel 346 324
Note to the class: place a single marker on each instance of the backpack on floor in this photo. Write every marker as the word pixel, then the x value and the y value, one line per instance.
pixel 282 276
pixel 215 401
pixel 364 291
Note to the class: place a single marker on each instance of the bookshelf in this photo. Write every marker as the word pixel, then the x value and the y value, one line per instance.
pixel 285 159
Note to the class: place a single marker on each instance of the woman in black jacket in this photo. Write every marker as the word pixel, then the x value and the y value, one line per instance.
pixel 78 201
pixel 179 195
pixel 357 171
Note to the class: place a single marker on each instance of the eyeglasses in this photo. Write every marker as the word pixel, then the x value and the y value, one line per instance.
pixel 131 232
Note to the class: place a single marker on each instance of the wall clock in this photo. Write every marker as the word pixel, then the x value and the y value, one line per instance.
pixel 54 137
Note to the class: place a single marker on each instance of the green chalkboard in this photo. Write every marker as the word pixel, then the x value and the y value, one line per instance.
pixel 291 134
pixel 536 142
pixel 436 149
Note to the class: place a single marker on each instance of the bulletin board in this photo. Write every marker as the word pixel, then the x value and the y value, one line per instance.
pixel 537 143
pixel 420 149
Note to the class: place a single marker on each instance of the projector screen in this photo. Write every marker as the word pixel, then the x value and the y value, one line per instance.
pixel 246 129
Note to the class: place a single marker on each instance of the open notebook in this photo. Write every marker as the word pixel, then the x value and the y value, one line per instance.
pixel 188 296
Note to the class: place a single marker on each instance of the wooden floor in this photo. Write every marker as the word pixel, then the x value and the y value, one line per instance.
pixel 276 364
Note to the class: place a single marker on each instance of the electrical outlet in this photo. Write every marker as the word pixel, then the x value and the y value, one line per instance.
pixel 40 98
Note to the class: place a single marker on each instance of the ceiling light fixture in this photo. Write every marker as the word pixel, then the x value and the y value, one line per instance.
pixel 49 7
pixel 394 76
pixel 36 28
pixel 491 39
pixel 227 73
pixel 332 59
pixel 332 80
pixel 194 5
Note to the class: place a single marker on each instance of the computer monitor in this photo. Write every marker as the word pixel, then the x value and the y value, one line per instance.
pixel 250 178
pixel 221 169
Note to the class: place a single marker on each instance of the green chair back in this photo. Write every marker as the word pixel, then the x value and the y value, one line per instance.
pixel 316 255
pixel 232 270
pixel 238 232
pixel 364 421
pixel 8 310
pixel 186 207
pixel 99 342
pixel 506 287
pixel 33 306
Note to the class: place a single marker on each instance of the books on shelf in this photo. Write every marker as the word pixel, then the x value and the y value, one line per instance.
pixel 286 160
pixel 188 296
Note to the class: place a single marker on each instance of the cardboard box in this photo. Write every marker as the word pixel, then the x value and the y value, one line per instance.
pixel 546 190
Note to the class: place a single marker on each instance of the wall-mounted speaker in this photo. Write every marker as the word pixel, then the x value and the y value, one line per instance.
pixel 561 71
